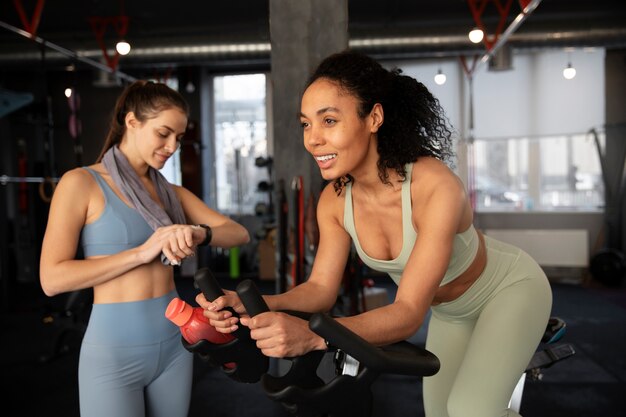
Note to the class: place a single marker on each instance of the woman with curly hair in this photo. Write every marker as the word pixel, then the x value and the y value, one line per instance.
pixel 383 140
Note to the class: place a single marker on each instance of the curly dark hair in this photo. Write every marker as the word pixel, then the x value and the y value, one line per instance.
pixel 415 124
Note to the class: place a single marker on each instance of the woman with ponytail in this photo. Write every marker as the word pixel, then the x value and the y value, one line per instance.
pixel 383 140
pixel 132 226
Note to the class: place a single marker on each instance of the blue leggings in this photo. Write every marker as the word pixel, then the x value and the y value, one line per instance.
pixel 486 337
pixel 132 362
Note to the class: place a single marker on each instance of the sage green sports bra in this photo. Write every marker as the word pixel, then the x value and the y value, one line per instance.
pixel 465 245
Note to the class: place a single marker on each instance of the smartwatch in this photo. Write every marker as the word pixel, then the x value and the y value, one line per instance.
pixel 209 234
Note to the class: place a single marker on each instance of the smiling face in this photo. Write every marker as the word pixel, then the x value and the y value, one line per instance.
pixel 340 141
pixel 153 141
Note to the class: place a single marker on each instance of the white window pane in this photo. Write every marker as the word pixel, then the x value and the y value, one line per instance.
pixel 539 174
pixel 240 138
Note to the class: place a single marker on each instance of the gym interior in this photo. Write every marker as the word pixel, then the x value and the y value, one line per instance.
pixel 538 107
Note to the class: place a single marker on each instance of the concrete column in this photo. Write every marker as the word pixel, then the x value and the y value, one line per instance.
pixel 302 33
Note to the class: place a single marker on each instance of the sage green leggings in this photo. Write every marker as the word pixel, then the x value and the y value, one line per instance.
pixel 486 337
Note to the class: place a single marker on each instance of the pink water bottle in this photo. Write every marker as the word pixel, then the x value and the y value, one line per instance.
pixel 194 326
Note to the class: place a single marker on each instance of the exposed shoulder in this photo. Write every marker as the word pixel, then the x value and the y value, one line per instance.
pixel 430 174
pixel 187 198
pixel 331 204
pixel 329 195
pixel 77 177
pixel 75 189
pixel 182 192
pixel 436 189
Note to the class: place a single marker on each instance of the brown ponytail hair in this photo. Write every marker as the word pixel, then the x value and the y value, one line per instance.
pixel 146 99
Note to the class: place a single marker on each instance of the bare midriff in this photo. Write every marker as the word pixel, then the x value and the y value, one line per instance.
pixel 452 290
pixel 142 283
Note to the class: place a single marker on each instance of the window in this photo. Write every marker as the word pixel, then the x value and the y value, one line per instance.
pixel 548 173
pixel 240 138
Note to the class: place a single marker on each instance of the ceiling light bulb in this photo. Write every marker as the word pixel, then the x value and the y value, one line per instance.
pixel 476 35
pixel 569 72
pixel 440 78
pixel 68 92
pixel 122 47
pixel 190 88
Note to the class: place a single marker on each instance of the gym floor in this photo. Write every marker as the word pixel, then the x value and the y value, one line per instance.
pixel 591 383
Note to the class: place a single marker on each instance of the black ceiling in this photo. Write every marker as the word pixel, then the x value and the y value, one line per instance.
pixel 415 27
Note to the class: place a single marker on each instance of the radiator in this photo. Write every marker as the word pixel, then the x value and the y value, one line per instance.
pixel 558 248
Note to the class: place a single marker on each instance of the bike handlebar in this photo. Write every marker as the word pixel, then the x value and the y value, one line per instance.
pixel 389 359
pixel 386 359
pixel 212 290
pixel 251 298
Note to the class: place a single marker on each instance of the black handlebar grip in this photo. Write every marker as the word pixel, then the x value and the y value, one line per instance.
pixel 424 363
pixel 212 290
pixel 251 298
pixel 208 284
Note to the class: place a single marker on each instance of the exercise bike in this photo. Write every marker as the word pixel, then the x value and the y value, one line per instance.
pixel 301 391
pixel 357 362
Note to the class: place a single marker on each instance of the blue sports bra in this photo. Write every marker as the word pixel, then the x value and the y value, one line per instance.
pixel 464 250
pixel 118 228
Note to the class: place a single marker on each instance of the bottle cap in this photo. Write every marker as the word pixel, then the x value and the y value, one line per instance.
pixel 178 311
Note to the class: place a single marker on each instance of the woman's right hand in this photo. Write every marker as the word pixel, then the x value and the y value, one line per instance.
pixel 175 241
pixel 222 319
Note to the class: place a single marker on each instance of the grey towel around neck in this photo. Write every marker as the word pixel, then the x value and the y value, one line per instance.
pixel 131 187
